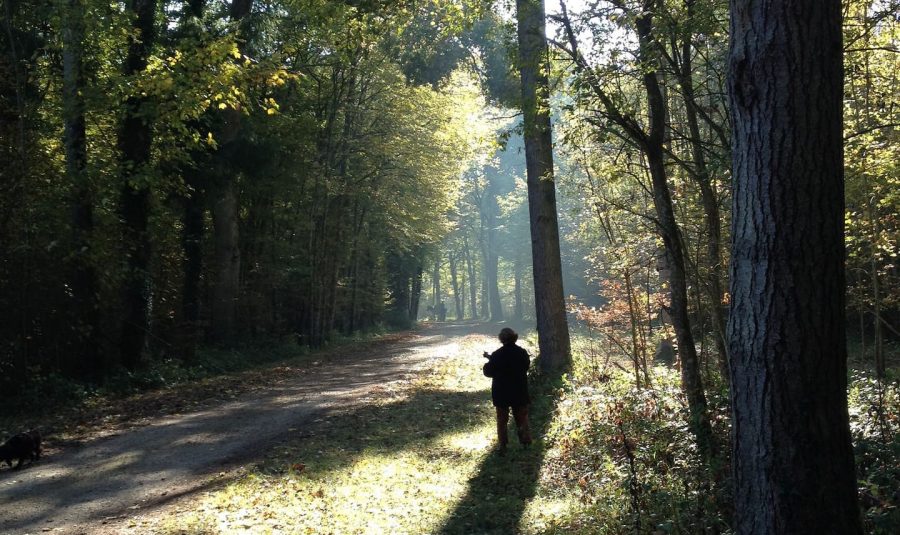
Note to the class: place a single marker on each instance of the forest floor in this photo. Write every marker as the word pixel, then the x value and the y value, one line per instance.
pixel 158 454
pixel 397 435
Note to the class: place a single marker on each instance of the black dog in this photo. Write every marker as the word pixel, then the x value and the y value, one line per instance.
pixel 22 446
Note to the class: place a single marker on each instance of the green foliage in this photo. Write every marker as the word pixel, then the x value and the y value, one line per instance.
pixel 336 160
pixel 875 425
pixel 626 458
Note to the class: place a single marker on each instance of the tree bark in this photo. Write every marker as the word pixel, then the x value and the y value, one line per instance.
pixel 793 461
pixel 135 139
pixel 553 331
pixel 84 280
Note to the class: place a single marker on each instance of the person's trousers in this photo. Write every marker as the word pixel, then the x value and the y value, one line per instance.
pixel 520 414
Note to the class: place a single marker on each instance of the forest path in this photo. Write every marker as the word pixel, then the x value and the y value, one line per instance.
pixel 95 487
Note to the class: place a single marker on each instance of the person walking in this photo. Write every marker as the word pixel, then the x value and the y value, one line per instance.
pixel 508 369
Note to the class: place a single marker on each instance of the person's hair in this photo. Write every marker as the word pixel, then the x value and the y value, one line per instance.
pixel 508 336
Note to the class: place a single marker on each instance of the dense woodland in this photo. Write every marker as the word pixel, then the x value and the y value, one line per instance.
pixel 178 176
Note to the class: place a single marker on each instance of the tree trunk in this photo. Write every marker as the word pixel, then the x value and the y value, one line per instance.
pixel 416 294
pixel 473 292
pixel 553 331
pixel 518 310
pixel 454 279
pixel 708 199
pixel 496 306
pixel 225 212
pixel 400 303
pixel 135 139
pixel 489 210
pixel 691 381
pixel 436 284
pixel 793 460
pixel 878 338
pixel 192 221
pixel 191 245
pixel 228 265
pixel 84 282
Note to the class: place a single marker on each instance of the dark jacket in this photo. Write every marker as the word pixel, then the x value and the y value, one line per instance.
pixel 508 366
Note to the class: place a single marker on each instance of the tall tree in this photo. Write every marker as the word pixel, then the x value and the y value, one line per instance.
pixel 682 63
pixel 653 146
pixel 226 206
pixel 793 461
pixel 135 138
pixel 84 282
pixel 651 141
pixel 553 331
pixel 194 214
pixel 489 211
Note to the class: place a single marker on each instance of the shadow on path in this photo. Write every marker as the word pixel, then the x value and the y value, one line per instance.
pixel 180 455
pixel 498 494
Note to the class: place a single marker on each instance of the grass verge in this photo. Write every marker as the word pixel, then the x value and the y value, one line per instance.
pixel 417 458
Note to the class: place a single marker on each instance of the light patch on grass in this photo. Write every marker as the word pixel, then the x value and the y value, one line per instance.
pixel 399 464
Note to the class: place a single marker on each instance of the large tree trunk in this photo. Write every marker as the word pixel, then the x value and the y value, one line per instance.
pixel 553 331
pixel 84 282
pixel 691 381
pixel 135 139
pixel 226 212
pixel 793 461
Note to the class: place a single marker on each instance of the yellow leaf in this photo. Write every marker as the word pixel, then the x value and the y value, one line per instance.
pixel 222 105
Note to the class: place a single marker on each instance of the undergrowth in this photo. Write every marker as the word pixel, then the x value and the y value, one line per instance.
pixel 624 461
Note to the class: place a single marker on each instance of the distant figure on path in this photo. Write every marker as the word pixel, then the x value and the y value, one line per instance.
pixel 508 367
pixel 442 312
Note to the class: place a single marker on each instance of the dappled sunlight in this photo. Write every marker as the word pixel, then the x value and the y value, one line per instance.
pixel 481 440
pixel 374 492
pixel 543 514
pixel 397 462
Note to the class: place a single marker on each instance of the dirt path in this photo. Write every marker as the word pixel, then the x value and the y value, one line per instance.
pixel 97 487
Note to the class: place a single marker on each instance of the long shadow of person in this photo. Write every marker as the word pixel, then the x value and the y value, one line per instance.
pixel 497 495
